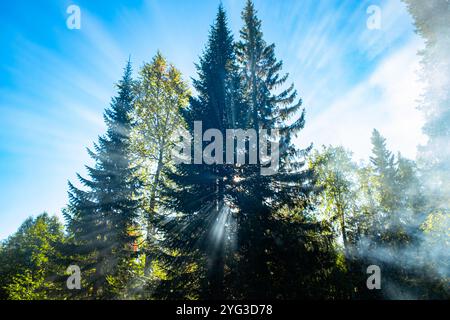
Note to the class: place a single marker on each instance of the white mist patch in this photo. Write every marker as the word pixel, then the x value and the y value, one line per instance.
pixel 427 253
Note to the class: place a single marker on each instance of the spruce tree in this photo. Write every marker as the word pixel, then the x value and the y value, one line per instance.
pixel 259 197
pixel 431 22
pixel 101 218
pixel 396 225
pixel 196 237
pixel 383 162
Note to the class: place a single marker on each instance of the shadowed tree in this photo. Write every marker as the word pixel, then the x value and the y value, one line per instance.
pixel 257 196
pixel 102 219
pixel 196 236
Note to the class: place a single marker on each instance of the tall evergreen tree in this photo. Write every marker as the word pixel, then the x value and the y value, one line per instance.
pixel 394 237
pixel 398 199
pixel 198 234
pixel 388 193
pixel 101 219
pixel 431 21
pixel 259 197
pixel 383 162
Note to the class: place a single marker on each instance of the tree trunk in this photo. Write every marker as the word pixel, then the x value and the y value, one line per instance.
pixel 151 214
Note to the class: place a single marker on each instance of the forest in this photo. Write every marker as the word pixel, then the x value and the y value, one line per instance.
pixel 144 225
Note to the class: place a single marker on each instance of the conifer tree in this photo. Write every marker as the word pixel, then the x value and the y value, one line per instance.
pixel 387 190
pixel 101 219
pixel 431 22
pixel 396 226
pixel 259 197
pixel 199 196
pixel 383 162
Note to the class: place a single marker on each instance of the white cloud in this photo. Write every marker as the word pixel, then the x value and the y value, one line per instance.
pixel 386 100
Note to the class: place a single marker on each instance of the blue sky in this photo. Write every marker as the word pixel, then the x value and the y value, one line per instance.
pixel 56 82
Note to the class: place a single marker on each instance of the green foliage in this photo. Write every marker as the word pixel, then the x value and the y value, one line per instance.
pixel 102 221
pixel 29 260
pixel 143 227
pixel 258 198
pixel 336 176
pixel 380 211
pixel 161 94
pixel 199 192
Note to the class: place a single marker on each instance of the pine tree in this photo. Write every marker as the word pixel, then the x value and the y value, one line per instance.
pixel 431 21
pixel 260 197
pixel 383 162
pixel 101 219
pixel 396 225
pixel 197 236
